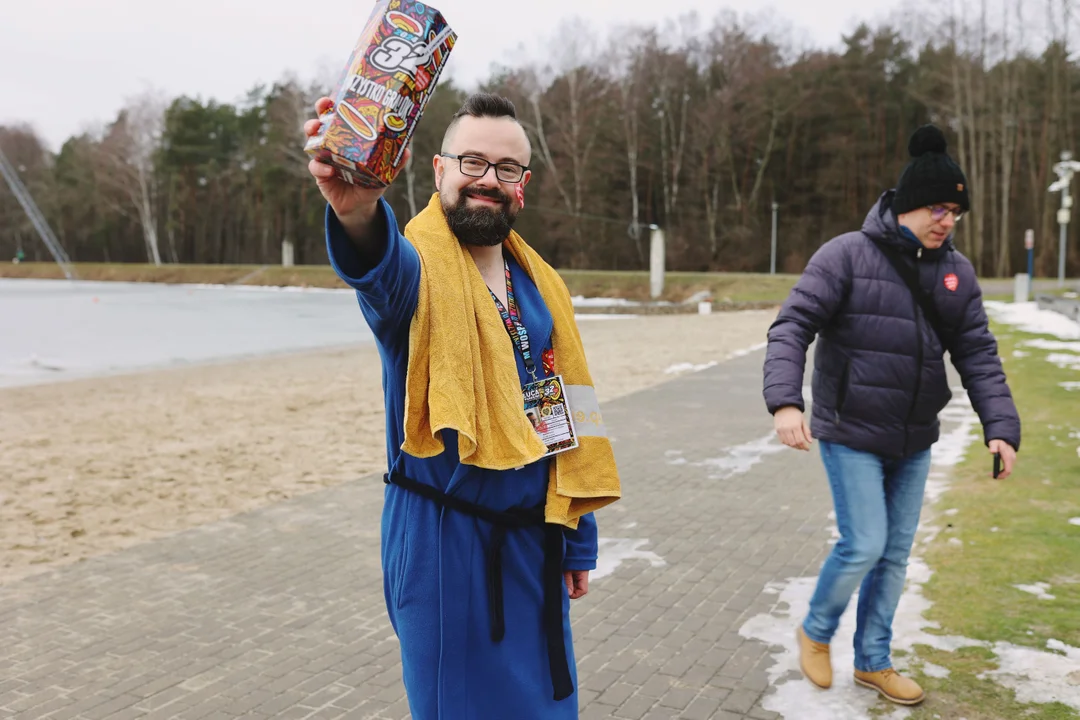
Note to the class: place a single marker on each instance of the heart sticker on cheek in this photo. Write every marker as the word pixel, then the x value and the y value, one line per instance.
pixel 520 191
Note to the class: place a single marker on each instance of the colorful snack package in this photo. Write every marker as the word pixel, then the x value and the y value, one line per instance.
pixel 382 92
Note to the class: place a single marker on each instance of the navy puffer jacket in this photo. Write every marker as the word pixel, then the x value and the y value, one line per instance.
pixel 879 370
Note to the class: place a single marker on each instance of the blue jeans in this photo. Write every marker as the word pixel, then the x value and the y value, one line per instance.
pixel 877 503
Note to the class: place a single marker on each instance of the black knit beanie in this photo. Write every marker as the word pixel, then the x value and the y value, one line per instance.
pixel 931 177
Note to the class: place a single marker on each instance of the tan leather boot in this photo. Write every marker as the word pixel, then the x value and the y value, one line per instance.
pixel 892 685
pixel 814 660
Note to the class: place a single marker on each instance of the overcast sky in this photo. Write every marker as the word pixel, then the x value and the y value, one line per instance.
pixel 68 65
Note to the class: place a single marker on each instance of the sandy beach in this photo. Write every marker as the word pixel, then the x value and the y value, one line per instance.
pixel 95 465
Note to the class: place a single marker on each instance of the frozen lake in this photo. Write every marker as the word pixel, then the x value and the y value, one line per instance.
pixel 54 329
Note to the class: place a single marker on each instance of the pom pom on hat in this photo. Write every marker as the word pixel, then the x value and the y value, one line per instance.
pixel 931 176
pixel 927 139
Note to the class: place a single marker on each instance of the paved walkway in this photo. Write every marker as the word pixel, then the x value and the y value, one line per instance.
pixel 279 613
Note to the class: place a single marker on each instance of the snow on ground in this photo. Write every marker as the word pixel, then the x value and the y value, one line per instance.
pixel 615 551
pixel 1040 590
pixel 1027 317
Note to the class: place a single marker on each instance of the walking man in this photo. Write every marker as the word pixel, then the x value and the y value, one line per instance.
pixel 885 303
pixel 487 527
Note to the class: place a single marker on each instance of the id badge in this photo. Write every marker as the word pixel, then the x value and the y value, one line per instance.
pixel 548 410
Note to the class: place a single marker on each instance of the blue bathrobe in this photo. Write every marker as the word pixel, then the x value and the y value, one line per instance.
pixel 433 560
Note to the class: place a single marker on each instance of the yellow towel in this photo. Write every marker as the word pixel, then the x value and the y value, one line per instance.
pixel 463 375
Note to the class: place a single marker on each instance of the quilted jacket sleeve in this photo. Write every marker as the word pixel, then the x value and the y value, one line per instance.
pixel 976 359
pixel 812 303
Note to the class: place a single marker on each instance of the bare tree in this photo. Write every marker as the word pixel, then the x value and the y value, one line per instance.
pixel 566 102
pixel 126 156
pixel 627 75
pixel 1008 105
pixel 673 81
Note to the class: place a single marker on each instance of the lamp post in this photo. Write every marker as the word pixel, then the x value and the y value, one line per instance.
pixel 772 255
pixel 1029 246
pixel 1065 170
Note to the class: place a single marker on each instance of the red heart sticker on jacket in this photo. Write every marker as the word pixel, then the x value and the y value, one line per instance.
pixel 952 282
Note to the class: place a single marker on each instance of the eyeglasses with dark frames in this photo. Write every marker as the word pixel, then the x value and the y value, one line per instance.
pixel 473 166
pixel 938 213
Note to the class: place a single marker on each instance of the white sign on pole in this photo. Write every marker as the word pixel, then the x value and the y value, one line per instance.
pixel 1029 239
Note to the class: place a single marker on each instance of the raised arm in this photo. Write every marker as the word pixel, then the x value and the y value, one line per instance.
pixel 366 248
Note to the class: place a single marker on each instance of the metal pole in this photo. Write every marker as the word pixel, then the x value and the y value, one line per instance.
pixel 1065 170
pixel 772 255
pixel 1061 254
pixel 1029 244
pixel 18 189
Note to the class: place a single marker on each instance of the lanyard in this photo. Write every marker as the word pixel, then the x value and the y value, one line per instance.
pixel 519 335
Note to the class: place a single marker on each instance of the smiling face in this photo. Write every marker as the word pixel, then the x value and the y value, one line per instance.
pixel 481 210
pixel 932 225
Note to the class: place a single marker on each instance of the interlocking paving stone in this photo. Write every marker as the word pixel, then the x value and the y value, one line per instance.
pixel 279 612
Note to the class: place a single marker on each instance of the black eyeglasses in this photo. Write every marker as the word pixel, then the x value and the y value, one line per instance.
pixel 473 166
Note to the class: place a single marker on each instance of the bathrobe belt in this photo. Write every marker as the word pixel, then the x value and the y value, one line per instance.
pixel 501 522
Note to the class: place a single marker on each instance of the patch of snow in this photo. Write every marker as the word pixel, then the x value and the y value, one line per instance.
pixel 1070 385
pixel 688 367
pixel 935 671
pixel 1037 676
pixel 795 698
pixel 1027 317
pixel 746 351
pixel 1074 521
pixel 268 288
pixel 1065 361
pixel 1040 590
pixel 741 458
pixel 1041 344
pixel 675 457
pixel 613 552
pixel 951 448
pixel 582 301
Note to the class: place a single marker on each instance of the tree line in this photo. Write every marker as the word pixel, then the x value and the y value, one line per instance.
pixel 697 128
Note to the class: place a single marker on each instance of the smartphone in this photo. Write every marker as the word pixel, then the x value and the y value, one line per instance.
pixel 997 464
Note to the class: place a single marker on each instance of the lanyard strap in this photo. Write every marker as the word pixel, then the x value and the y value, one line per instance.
pixel 519 335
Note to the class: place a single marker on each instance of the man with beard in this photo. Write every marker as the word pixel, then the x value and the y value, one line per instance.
pixel 487 526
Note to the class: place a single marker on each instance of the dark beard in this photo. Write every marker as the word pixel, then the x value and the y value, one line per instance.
pixel 482 227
